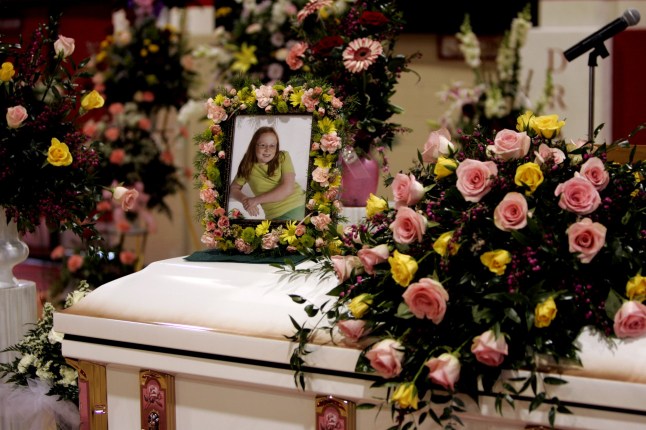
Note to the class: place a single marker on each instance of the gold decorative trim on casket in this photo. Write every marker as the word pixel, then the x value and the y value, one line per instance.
pixel 157 399
pixel 93 394
pixel 334 413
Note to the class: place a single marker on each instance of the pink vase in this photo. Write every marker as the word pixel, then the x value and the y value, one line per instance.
pixel 359 178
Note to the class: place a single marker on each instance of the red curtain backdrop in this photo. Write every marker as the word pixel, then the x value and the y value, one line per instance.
pixel 629 84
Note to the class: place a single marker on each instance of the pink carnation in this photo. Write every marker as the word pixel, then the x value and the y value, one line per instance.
pixel 295 54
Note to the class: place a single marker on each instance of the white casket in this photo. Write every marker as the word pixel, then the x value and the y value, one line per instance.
pixel 219 329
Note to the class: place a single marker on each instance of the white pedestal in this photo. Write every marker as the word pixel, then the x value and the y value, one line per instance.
pixel 17 312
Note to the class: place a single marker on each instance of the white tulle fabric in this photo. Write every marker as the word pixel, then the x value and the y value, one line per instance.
pixel 32 409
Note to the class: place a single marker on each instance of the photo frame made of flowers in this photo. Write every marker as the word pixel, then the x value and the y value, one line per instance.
pixel 235 109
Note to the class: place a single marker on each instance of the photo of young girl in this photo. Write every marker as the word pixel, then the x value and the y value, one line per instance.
pixel 264 183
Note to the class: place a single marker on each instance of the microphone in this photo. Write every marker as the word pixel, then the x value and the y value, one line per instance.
pixel 630 17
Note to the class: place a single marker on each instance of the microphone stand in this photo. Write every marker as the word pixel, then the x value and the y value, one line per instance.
pixel 598 51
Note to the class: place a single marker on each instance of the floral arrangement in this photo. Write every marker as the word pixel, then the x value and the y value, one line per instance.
pixel 253 40
pixel 315 233
pixel 143 61
pixel 112 262
pixel 48 167
pixel 132 155
pixel 41 357
pixel 351 45
pixel 497 96
pixel 499 250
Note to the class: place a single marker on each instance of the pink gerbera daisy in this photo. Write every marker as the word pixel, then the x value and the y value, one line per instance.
pixel 311 7
pixel 361 54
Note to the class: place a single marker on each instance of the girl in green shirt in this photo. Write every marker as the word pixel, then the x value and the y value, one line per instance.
pixel 271 177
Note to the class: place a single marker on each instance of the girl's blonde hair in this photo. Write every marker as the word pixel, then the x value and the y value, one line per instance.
pixel 249 158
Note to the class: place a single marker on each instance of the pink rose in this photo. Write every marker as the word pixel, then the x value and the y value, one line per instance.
pixel 444 370
pixel 409 226
pixel 489 350
pixel 370 257
pixel 386 358
pixel 474 178
pixel 144 123
pixel 427 299
pixel 126 197
pixel 352 330
pixel 345 265
pixel 509 145
pixel 406 190
pixel 64 45
pixel 578 195
pixel 630 320
pixel 546 153
pixel 127 257
pixel 74 263
pixel 438 144
pixel 511 212
pixel 595 171
pixel 586 238
pixel 16 116
pixel 89 128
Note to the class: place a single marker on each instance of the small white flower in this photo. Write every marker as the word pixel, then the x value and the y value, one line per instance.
pixel 54 337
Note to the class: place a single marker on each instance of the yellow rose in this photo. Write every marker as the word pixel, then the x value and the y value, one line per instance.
pixel 544 313
pixel 403 268
pixel 529 174
pixel 59 154
pixel 442 242
pixel 496 261
pixel 360 305
pixel 92 100
pixel 636 288
pixel 523 122
pixel 406 396
pixel 6 72
pixel 547 126
pixel 375 205
pixel 444 167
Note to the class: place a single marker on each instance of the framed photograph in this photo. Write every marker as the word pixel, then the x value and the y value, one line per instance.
pixel 259 140
pixel 333 413
pixel 267 169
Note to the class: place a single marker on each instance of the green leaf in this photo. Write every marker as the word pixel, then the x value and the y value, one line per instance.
pixel 554 381
pixel 311 310
pixel 537 401
pixel 297 299
pixel 613 303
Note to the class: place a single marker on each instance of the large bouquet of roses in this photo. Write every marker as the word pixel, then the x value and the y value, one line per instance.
pixel 499 249
pixel 48 167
